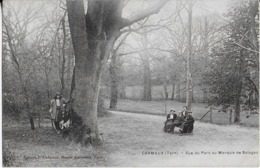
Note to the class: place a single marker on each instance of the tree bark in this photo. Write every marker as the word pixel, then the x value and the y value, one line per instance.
pixel 189 46
pixel 87 72
pixel 114 81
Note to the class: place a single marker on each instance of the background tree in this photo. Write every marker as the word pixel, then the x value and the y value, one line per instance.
pixel 234 62
pixel 18 51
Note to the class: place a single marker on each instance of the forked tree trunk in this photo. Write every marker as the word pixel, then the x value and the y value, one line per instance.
pixel 93 37
pixel 87 72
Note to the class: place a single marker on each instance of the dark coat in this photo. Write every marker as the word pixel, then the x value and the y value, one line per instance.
pixel 187 126
pixel 168 117
pixel 189 120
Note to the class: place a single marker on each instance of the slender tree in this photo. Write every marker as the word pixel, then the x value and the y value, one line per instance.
pixel 189 85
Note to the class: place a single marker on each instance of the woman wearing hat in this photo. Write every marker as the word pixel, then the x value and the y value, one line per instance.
pixel 56 109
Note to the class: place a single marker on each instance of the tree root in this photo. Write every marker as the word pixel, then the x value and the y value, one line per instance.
pixel 80 133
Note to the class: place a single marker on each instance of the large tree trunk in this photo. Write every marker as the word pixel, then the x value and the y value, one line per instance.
pixel 93 37
pixel 92 43
pixel 114 81
pixel 189 76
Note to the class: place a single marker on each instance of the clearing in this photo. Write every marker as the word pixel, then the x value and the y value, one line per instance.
pixel 199 109
pixel 137 140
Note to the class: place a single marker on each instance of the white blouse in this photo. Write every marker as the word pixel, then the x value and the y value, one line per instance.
pixel 58 102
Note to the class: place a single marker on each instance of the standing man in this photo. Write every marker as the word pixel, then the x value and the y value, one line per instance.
pixel 56 110
pixel 185 111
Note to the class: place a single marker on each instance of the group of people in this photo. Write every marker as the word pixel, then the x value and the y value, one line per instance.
pixel 58 113
pixel 61 120
pixel 184 120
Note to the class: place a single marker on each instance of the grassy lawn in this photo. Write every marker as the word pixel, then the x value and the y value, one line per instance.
pixel 128 140
pixel 198 109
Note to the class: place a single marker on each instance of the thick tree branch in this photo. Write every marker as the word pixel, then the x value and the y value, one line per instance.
pixel 152 10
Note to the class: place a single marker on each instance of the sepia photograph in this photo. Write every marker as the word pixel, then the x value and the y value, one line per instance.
pixel 130 83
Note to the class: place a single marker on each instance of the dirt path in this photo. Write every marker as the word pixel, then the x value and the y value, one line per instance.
pixel 137 140
pixel 176 150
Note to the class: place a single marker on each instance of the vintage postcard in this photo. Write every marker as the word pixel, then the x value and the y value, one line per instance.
pixel 130 83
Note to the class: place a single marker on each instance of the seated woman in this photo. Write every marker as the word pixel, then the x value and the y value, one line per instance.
pixel 170 118
pixel 187 126
pixel 178 122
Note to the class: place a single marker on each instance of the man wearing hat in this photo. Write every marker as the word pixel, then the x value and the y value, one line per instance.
pixel 187 126
pixel 56 109
pixel 178 121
